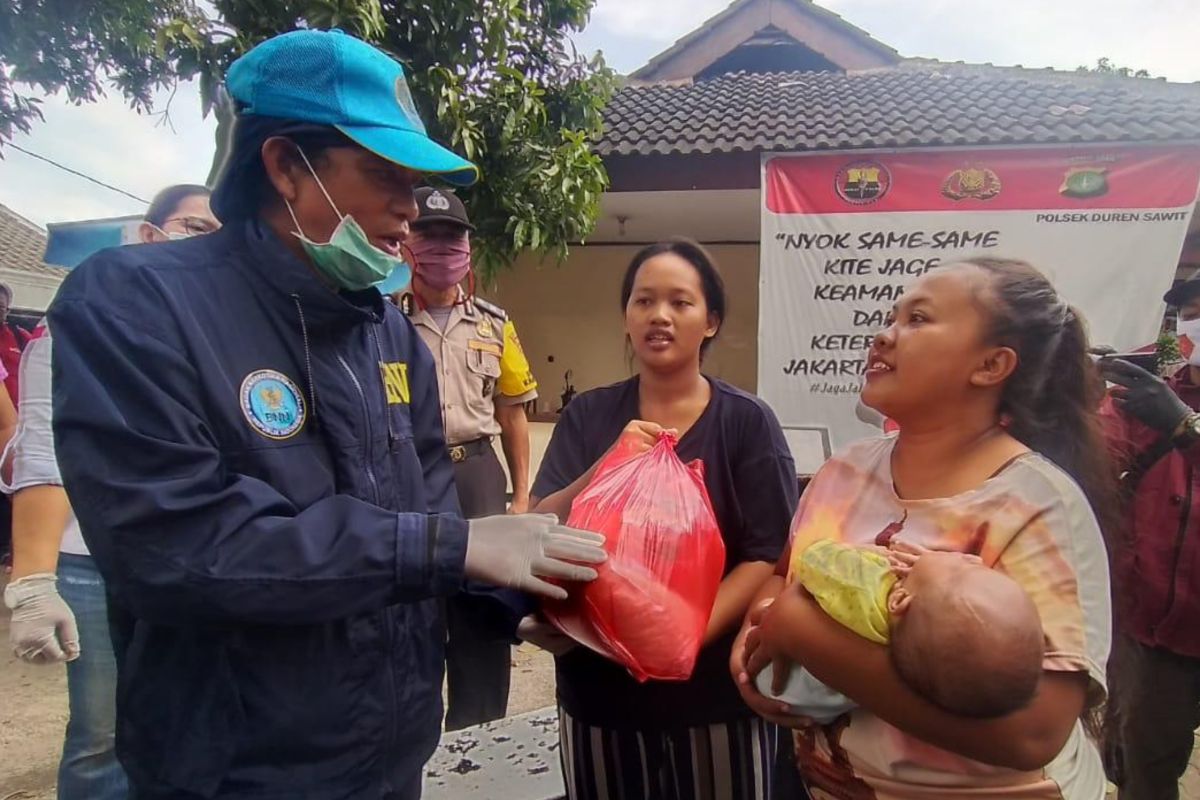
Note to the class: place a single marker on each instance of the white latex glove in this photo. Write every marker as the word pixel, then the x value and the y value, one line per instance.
pixel 535 630
pixel 518 550
pixel 43 628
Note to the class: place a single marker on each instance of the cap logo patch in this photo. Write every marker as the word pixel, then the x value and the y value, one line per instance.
pixel 437 202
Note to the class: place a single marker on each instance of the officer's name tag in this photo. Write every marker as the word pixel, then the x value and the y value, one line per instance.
pixel 486 347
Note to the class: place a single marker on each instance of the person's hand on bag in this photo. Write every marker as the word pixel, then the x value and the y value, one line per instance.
pixel 1144 396
pixel 42 630
pixel 640 436
pixel 518 551
pixel 535 630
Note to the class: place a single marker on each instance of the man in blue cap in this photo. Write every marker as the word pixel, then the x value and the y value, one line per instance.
pixel 251 438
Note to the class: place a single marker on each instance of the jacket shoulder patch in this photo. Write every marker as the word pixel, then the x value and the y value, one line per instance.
pixel 273 404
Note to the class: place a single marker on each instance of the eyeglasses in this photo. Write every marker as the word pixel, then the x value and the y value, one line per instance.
pixel 194 226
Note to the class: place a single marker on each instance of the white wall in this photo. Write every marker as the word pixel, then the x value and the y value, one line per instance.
pixel 539 440
pixel 31 291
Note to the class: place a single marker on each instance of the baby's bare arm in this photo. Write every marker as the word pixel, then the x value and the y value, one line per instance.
pixel 903 555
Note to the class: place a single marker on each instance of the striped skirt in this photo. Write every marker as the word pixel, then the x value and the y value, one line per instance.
pixel 728 761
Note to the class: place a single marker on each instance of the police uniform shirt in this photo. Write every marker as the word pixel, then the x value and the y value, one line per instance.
pixel 480 364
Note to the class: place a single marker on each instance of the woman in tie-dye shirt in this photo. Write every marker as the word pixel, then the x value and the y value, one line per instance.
pixel 999 454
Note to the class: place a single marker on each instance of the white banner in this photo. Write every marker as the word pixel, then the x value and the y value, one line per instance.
pixel 843 234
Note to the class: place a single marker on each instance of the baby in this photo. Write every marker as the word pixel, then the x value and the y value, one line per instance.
pixel 965 637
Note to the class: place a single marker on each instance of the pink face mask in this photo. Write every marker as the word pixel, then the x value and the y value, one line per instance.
pixel 441 262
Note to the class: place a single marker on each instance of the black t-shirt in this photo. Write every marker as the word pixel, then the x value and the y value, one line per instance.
pixel 751 481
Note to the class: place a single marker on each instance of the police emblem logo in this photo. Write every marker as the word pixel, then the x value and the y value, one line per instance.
pixel 862 182
pixel 971 183
pixel 1082 183
pixel 437 202
pixel 485 329
pixel 272 404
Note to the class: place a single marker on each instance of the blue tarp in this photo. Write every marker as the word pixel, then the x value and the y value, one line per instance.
pixel 69 243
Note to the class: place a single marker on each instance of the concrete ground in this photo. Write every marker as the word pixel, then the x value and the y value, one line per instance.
pixel 33 712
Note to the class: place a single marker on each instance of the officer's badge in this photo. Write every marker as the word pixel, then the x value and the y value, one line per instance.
pixel 974 183
pixel 272 404
pixel 485 329
pixel 1084 182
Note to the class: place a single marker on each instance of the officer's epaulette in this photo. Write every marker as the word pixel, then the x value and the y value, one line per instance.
pixel 486 307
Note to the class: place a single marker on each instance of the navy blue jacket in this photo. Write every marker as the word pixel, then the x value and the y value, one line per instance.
pixel 258 467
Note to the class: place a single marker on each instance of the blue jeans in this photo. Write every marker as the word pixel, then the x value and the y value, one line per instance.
pixel 89 769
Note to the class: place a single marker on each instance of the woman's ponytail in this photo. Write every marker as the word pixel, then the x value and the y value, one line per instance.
pixel 1051 403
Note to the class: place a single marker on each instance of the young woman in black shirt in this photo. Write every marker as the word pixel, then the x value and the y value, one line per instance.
pixel 695 738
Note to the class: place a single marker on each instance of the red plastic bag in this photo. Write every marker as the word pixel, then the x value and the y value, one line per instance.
pixel 649 607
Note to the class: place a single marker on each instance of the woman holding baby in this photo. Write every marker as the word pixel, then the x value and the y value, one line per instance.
pixel 946 589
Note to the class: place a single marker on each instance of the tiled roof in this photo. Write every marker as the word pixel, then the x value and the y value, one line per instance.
pixel 916 104
pixel 22 245
pixel 811 10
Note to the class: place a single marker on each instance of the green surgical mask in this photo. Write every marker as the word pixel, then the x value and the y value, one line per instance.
pixel 348 259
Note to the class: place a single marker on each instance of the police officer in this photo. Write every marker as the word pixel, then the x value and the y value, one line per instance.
pixel 252 440
pixel 485 382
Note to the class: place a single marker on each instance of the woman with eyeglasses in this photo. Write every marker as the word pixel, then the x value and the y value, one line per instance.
pixel 178 212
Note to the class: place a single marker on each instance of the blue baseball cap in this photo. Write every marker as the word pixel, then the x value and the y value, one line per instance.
pixel 332 78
